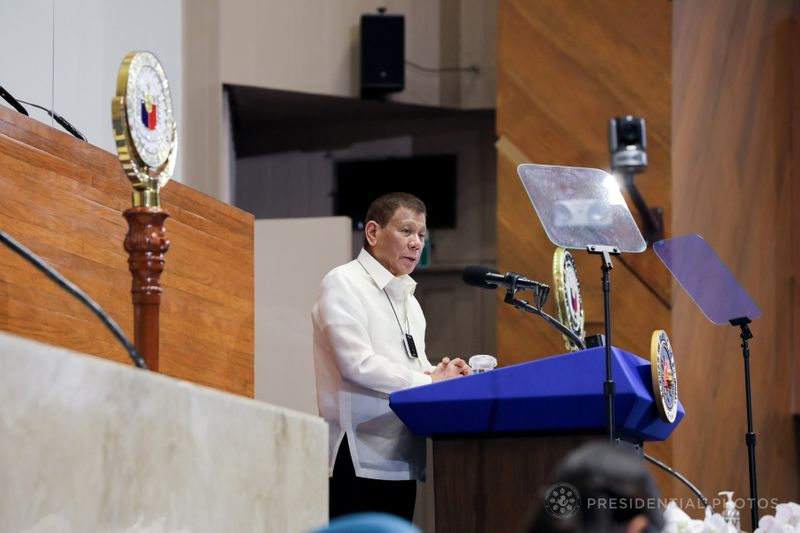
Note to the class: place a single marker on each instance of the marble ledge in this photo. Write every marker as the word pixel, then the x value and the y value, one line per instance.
pixel 92 445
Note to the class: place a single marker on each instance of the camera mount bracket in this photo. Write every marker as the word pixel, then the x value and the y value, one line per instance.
pixel 652 217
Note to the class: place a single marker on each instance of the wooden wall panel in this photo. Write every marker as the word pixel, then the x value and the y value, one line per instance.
pixel 794 29
pixel 63 199
pixel 733 64
pixel 564 69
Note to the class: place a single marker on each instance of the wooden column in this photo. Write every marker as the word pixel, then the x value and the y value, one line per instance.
pixel 146 244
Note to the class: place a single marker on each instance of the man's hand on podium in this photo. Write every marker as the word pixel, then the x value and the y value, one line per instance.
pixel 449 369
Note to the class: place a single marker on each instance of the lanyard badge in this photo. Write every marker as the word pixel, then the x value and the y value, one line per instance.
pixel 408 343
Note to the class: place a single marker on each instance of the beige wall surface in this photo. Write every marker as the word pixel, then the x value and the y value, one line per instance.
pixel 291 258
pixel 298 45
pixel 65 54
pixel 312 46
pixel 205 125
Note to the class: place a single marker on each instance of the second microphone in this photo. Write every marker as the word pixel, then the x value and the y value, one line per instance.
pixel 488 278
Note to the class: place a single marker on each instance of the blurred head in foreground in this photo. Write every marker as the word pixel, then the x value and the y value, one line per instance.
pixel 599 488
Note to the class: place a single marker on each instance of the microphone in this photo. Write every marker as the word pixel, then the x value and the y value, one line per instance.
pixel 61 120
pixel 12 101
pixel 488 278
pixel 17 104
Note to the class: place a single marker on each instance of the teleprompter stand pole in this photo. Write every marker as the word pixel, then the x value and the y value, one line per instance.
pixel 750 436
pixel 609 388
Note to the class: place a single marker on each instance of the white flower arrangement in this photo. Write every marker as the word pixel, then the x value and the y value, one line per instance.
pixel 786 519
pixel 677 521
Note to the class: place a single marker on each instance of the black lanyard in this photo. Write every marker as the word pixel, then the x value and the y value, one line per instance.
pixel 408 340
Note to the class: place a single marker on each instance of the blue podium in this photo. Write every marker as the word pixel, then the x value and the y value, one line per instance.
pixel 497 436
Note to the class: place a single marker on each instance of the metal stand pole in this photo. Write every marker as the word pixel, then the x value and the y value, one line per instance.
pixel 750 436
pixel 609 387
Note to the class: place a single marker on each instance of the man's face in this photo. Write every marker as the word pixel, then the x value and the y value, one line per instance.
pixel 398 245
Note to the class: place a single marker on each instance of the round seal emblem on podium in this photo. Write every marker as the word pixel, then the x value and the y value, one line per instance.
pixel 568 295
pixel 665 380
pixel 144 126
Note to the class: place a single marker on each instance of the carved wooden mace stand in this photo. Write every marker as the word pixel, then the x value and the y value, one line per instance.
pixel 146 244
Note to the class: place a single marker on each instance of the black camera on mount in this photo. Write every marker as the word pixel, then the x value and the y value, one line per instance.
pixel 627 142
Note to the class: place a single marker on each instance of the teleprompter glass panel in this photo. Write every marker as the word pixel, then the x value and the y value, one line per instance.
pixel 579 207
pixel 703 275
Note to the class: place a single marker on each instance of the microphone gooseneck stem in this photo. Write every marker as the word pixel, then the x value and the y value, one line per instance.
pixel 525 306
pixel 61 120
pixel 71 288
pixel 652 217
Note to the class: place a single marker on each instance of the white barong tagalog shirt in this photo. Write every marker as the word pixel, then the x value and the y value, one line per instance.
pixel 360 359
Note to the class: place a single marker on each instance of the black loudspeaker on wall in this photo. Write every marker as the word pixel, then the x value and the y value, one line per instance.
pixel 382 54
